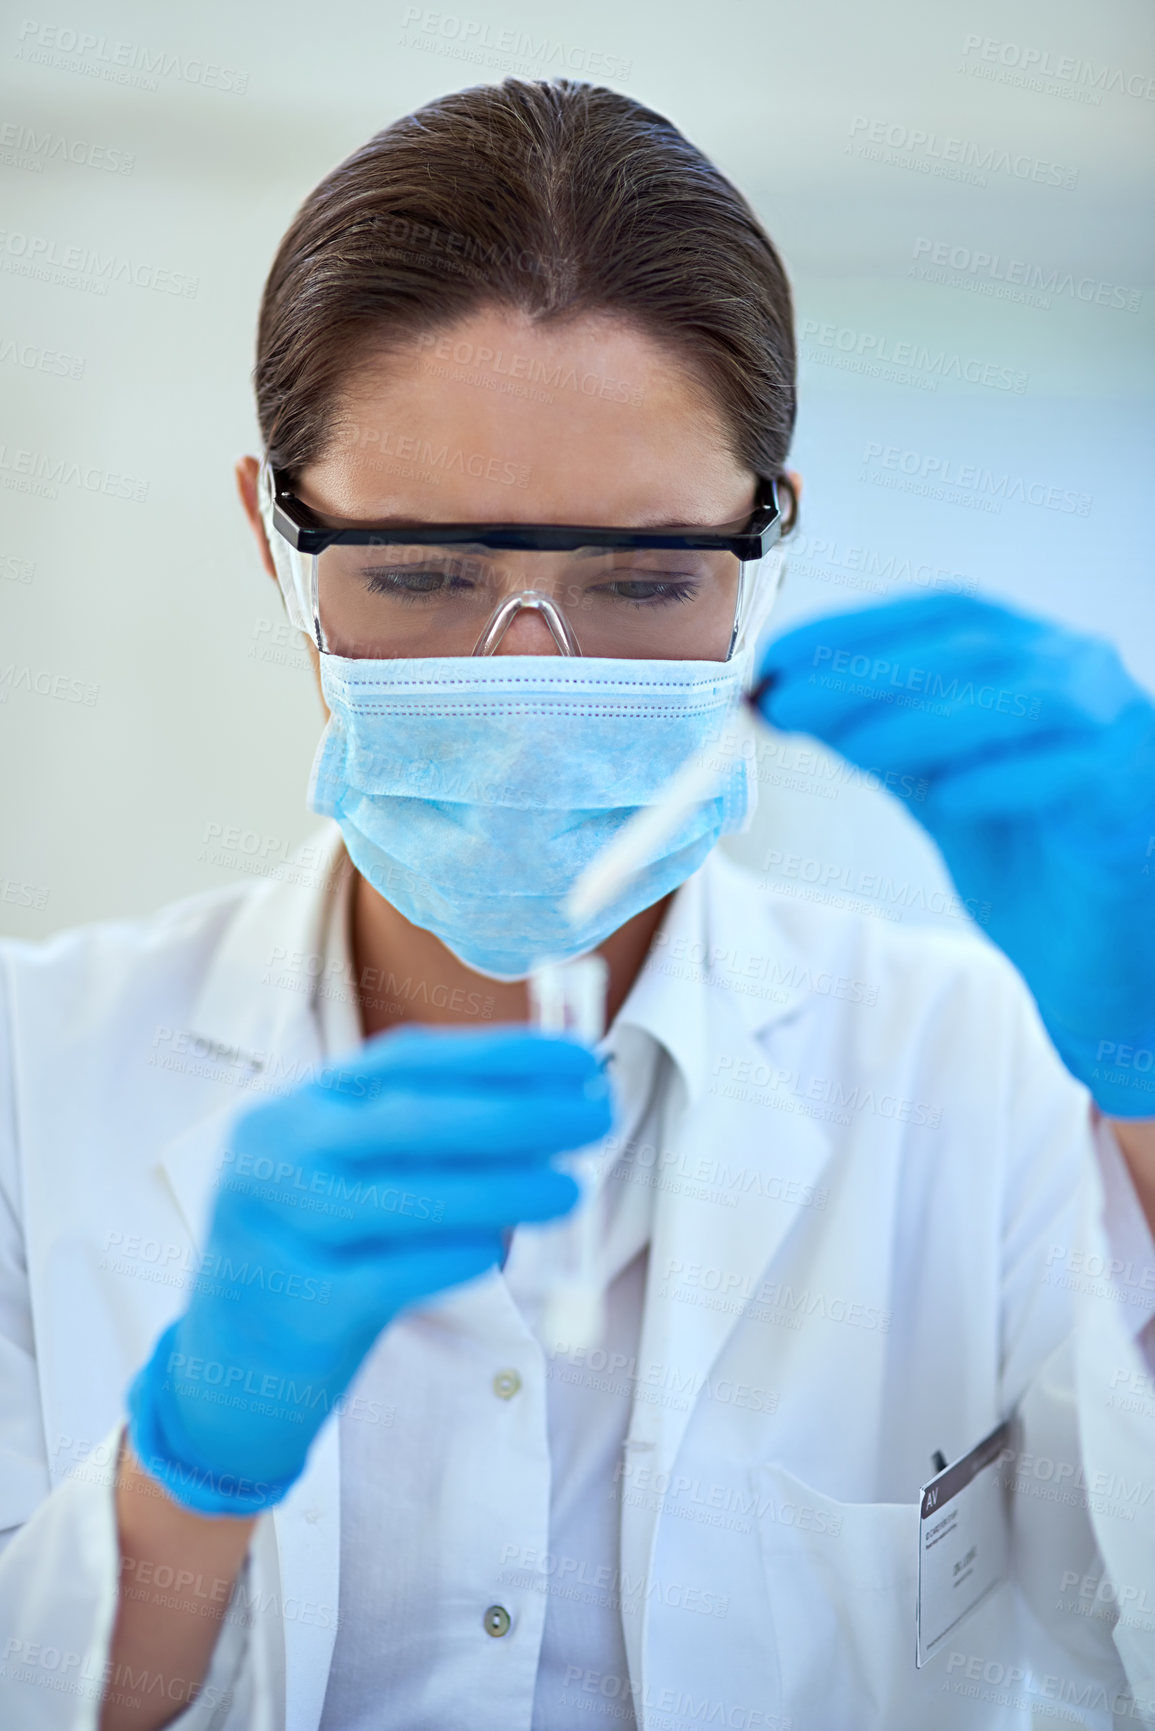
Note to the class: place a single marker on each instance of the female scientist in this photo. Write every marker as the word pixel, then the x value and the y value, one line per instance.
pixel 286 1438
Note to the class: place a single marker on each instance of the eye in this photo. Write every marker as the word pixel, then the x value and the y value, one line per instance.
pixel 651 591
pixel 410 582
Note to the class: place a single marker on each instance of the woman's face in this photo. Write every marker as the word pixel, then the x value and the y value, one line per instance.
pixel 502 420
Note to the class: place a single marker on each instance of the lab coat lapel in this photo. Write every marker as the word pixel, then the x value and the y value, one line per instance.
pixel 763 1151
pixel 259 1037
pixel 267 1040
pixel 190 1165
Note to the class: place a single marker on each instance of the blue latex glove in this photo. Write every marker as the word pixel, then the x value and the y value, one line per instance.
pixel 339 1204
pixel 1038 753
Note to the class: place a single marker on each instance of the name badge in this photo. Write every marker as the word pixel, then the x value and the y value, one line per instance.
pixel 964 1541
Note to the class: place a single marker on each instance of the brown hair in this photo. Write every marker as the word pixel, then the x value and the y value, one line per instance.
pixel 553 199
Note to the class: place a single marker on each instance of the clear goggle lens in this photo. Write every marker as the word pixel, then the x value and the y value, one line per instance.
pixel 389 601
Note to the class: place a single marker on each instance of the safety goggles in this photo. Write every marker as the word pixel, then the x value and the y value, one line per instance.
pixel 386 591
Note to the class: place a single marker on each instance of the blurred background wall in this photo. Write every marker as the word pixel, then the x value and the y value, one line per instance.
pixel 961 193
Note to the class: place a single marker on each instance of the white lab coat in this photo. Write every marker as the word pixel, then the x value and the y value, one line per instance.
pixel 920 1192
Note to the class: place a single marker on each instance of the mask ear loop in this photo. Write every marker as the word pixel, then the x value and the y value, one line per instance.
pixel 534 602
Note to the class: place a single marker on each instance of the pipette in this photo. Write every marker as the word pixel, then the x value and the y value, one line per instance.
pixel 637 842
pixel 570 998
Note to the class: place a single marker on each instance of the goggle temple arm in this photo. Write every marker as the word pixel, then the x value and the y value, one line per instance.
pixel 295 571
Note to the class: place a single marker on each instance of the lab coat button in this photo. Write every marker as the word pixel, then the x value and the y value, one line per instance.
pixel 506 1384
pixel 497 1620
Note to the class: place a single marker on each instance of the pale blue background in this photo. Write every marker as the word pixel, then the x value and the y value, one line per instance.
pixel 160 604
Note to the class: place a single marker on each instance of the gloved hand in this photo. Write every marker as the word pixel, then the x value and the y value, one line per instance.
pixel 341 1203
pixel 1038 752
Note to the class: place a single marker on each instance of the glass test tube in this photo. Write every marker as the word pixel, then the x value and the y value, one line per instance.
pixel 570 998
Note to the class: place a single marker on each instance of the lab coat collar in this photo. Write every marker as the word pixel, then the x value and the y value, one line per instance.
pixel 249 1020
pixel 262 978
pixel 708 949
pixel 719 951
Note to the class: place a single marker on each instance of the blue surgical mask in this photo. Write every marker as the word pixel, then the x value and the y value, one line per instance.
pixel 472 791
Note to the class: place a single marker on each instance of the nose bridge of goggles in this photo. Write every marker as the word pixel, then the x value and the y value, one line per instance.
pixel 530 601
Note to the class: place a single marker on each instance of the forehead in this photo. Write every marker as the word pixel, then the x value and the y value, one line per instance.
pixel 503 417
